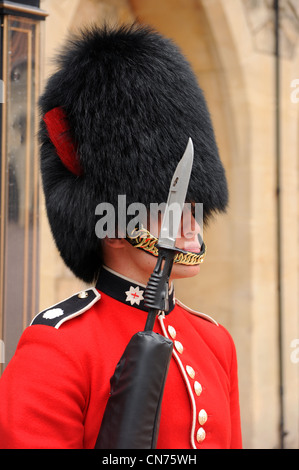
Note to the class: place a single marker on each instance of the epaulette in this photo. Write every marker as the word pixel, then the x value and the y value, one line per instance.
pixel 67 309
pixel 195 312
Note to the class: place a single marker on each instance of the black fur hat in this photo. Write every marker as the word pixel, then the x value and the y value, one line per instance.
pixel 116 118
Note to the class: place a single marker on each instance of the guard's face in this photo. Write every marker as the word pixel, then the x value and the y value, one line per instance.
pixel 187 240
pixel 138 264
pixel 191 249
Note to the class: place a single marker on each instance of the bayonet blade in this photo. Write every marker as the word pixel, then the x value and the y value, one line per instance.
pixel 176 199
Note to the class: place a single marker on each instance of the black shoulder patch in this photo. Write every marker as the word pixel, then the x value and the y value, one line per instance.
pixel 67 309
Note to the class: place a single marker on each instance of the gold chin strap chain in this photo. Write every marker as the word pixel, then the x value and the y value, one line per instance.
pixel 142 238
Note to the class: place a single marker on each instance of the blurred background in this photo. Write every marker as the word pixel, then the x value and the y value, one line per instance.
pixel 245 54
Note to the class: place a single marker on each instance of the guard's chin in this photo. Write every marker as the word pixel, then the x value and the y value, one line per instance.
pixel 180 271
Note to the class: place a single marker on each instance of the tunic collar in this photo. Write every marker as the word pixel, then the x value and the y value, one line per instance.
pixel 126 290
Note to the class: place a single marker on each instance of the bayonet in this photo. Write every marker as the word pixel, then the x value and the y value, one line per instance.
pixel 176 199
pixel 156 293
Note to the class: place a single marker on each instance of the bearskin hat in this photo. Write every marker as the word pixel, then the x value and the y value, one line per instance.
pixel 115 120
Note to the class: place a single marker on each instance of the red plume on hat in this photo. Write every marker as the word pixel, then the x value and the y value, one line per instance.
pixel 59 132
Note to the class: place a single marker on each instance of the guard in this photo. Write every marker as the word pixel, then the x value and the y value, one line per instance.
pixel 115 120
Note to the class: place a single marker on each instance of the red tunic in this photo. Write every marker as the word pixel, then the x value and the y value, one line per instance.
pixel 54 390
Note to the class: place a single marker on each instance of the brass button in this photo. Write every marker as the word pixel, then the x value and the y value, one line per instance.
pixel 202 417
pixel 171 331
pixel 197 388
pixel 179 347
pixel 83 295
pixel 190 371
pixel 200 435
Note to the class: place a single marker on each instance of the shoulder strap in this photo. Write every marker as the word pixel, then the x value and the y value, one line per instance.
pixel 67 309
